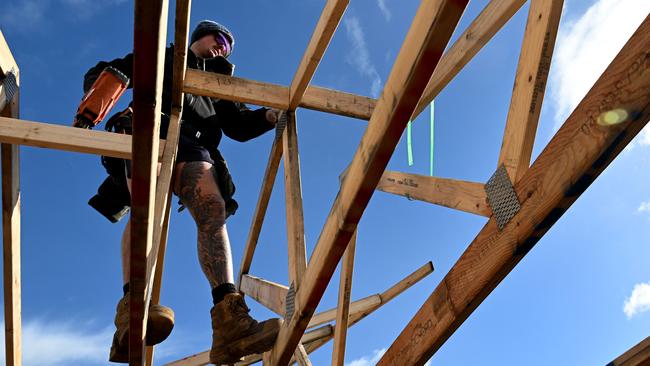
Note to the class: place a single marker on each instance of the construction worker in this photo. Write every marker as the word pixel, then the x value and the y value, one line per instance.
pixel 203 184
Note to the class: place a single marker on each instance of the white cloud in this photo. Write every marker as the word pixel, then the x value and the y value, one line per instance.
pixel 586 46
pixel 373 359
pixel 384 9
pixel 62 343
pixel 23 15
pixel 368 360
pixel 644 207
pixel 359 57
pixel 639 301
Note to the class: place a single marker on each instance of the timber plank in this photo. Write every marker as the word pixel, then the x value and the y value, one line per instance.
pixel 582 148
pixel 320 39
pixel 491 19
pixel 457 194
pixel 66 138
pixel 639 355
pixel 530 85
pixel 424 44
pixel 276 96
pixel 343 306
pixel 148 64
pixel 270 294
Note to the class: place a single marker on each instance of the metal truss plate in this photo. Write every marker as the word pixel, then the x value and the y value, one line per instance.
pixel 281 125
pixel 502 197
pixel 10 85
pixel 290 302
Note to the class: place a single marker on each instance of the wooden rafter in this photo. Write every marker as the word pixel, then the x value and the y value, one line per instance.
pixel 343 305
pixel 457 194
pixel 424 44
pixel 530 84
pixel 276 96
pixel 163 186
pixel 483 28
pixel 270 294
pixel 148 67
pixel 51 136
pixel 10 163
pixel 573 159
pixel 320 39
pixel 638 355
pixel 355 307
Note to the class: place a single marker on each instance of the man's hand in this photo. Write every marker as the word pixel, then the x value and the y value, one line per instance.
pixel 273 115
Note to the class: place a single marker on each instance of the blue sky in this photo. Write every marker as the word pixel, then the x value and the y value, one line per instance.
pixel 581 296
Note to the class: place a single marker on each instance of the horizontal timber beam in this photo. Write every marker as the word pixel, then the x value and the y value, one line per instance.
pixel 359 306
pixel 638 355
pixel 51 136
pixel 611 114
pixel 483 28
pixel 276 96
pixel 427 38
pixel 457 194
pixel 270 294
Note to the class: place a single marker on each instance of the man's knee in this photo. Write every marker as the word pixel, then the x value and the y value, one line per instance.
pixel 198 191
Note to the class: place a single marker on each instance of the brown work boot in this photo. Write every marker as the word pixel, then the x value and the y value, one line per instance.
pixel 159 325
pixel 235 334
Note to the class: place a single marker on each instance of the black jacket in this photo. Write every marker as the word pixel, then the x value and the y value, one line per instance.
pixel 210 116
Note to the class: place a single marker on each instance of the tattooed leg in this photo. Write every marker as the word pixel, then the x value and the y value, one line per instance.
pixel 198 190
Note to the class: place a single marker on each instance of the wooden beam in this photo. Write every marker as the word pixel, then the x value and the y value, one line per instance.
pixel 270 294
pixel 320 39
pixel 638 355
pixel 7 61
pixel 164 184
pixel 483 28
pixel 148 64
pixel 530 85
pixel 583 147
pixel 10 162
pixel 424 44
pixel 343 308
pixel 359 306
pixel 301 357
pixel 276 96
pixel 51 136
pixel 260 209
pixel 293 193
pixel 457 194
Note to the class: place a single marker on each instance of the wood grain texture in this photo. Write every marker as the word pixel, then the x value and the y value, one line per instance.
pixel 66 138
pixel 424 44
pixel 639 355
pixel 270 173
pixel 343 305
pixel 320 39
pixel 276 96
pixel 293 193
pixel 483 28
pixel 301 357
pixel 11 218
pixel 581 149
pixel 7 61
pixel 355 307
pixel 148 63
pixel 457 194
pixel 530 85
pixel 270 294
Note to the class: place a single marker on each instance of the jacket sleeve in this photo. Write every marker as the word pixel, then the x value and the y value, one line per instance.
pixel 124 65
pixel 240 123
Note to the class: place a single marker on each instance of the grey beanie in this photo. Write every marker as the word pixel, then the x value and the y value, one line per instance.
pixel 207 27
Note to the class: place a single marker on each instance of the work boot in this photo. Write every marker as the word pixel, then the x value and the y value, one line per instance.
pixel 159 325
pixel 236 334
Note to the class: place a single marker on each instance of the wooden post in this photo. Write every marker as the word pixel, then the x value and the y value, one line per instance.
pixel 422 49
pixel 293 191
pixel 610 115
pixel 148 64
pixel 530 84
pixel 10 162
pixel 343 309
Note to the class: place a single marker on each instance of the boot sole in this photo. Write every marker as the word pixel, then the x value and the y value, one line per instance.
pixel 255 343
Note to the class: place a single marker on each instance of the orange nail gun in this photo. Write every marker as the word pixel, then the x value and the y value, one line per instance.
pixel 102 96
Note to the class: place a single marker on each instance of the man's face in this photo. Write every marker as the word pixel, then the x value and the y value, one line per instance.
pixel 209 46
